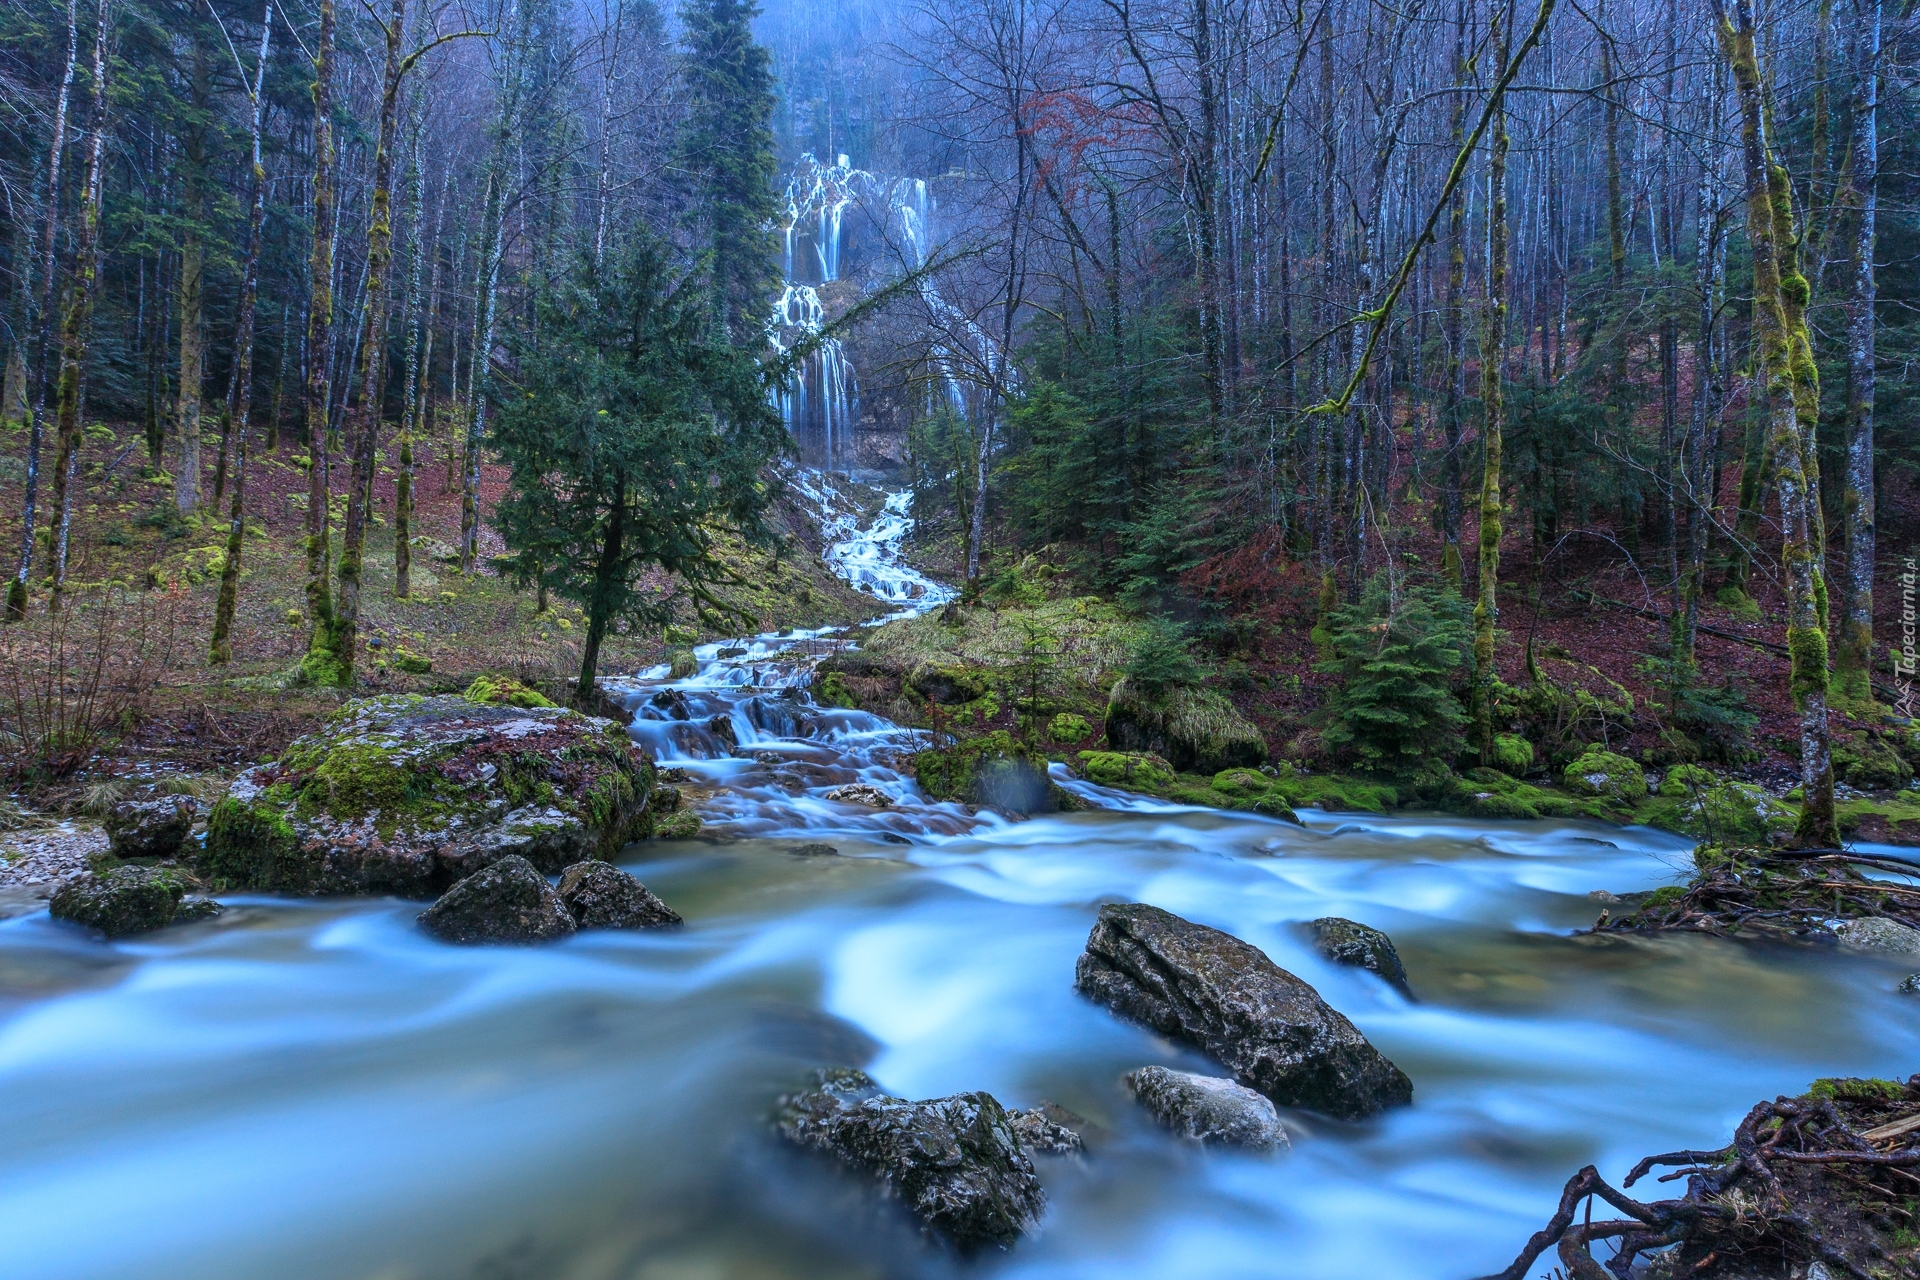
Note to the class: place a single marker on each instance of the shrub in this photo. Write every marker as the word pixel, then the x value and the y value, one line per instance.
pixel 1162 659
pixel 1395 711
pixel 70 681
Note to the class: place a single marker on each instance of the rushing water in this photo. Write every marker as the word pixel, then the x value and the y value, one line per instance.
pixel 313 1088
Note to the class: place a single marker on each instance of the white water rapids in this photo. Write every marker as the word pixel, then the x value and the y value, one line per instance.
pixel 313 1088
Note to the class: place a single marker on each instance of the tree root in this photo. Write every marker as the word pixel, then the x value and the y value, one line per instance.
pixel 1816 1178
pixel 1797 894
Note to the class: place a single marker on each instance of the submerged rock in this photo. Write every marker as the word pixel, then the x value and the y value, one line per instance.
pixel 1210 1110
pixel 1874 933
pixel 507 902
pixel 1049 1130
pixel 599 895
pixel 127 900
pixel 154 827
pixel 1349 943
pixel 1197 730
pixel 956 1162
pixel 1225 996
pixel 405 794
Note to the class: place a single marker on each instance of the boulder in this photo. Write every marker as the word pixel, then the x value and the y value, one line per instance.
pixel 507 902
pixel 1606 776
pixel 957 1163
pixel 599 895
pixel 1875 933
pixel 948 686
pixel 128 900
pixel 814 850
pixel 682 665
pixel 154 827
pixel 994 770
pixel 1208 1109
pixel 406 794
pixel 1225 996
pixel 1349 943
pixel 1196 729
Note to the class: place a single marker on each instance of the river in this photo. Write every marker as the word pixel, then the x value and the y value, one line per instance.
pixel 313 1088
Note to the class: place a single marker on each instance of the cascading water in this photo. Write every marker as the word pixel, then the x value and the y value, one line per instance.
pixel 824 398
pixel 313 1089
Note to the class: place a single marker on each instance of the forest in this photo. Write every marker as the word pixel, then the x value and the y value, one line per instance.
pixel 1454 464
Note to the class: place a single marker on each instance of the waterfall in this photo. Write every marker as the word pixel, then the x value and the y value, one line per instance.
pixel 821 403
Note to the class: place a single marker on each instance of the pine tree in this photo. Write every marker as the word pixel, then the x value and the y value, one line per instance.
pixel 727 147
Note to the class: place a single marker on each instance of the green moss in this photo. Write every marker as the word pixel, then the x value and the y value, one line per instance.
pixel 1068 727
pixel 1743 606
pixel 406 660
pixel 1696 802
pixel 1665 895
pixel 1807 647
pixel 1511 754
pixel 1127 770
pixel 250 844
pixel 958 772
pixel 1607 775
pixel 1195 728
pixel 831 691
pixel 1853 1089
pixel 505 691
pixel 682 665
pixel 683 825
pixel 1339 793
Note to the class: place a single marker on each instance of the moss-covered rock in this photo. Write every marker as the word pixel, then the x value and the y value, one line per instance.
pixel 1489 793
pixel 1696 802
pixel 994 770
pixel 1869 762
pixel 948 685
pixel 505 691
pixel 415 664
pixel 151 826
pixel 1196 729
pixel 1512 754
pixel 127 900
pixel 1606 775
pixel 830 689
pixel 1131 771
pixel 404 794
pixel 1069 728
pixel 508 902
pixel 682 665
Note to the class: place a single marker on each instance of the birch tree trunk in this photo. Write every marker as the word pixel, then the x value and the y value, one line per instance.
pixel 36 429
pixel 76 326
pixel 319 664
pixel 240 390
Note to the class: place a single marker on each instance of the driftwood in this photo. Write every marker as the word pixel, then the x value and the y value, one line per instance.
pixel 1830 1177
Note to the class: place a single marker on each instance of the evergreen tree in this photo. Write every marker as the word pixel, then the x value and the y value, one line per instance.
pixel 634 436
pixel 726 148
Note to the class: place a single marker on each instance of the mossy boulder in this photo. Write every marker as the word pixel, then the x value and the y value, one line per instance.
pixel 1132 771
pixel 1512 754
pixel 406 794
pixel 414 664
pixel 1607 776
pixel 505 691
pixel 1489 793
pixel 1697 802
pixel 831 690
pixel 127 900
pixel 948 685
pixel 150 827
pixel 508 902
pixel 682 665
pixel 1868 762
pixel 1196 729
pixel 995 770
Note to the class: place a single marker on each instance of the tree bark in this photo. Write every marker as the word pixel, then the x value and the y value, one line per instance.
pixel 1486 610
pixel 320 664
pixel 1806 639
pixel 190 289
pixel 36 429
pixel 605 584
pixel 1859 204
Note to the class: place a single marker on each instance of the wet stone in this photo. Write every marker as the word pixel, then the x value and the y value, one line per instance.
pixel 1362 947
pixel 957 1162
pixel 1049 1130
pixel 126 900
pixel 815 850
pixel 1225 997
pixel 155 827
pixel 1208 1109
pixel 861 793
pixel 599 895
pixel 507 902
pixel 1874 933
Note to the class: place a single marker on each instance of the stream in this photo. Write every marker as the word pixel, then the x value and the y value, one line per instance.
pixel 314 1088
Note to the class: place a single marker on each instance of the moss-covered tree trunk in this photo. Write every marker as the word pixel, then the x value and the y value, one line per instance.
pixel 365 431
pixel 1703 429
pixel 606 588
pixel 76 325
pixel 320 664
pixel 240 387
pixel 1858 201
pixel 189 289
pixel 1454 326
pixel 1806 638
pixel 1486 610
